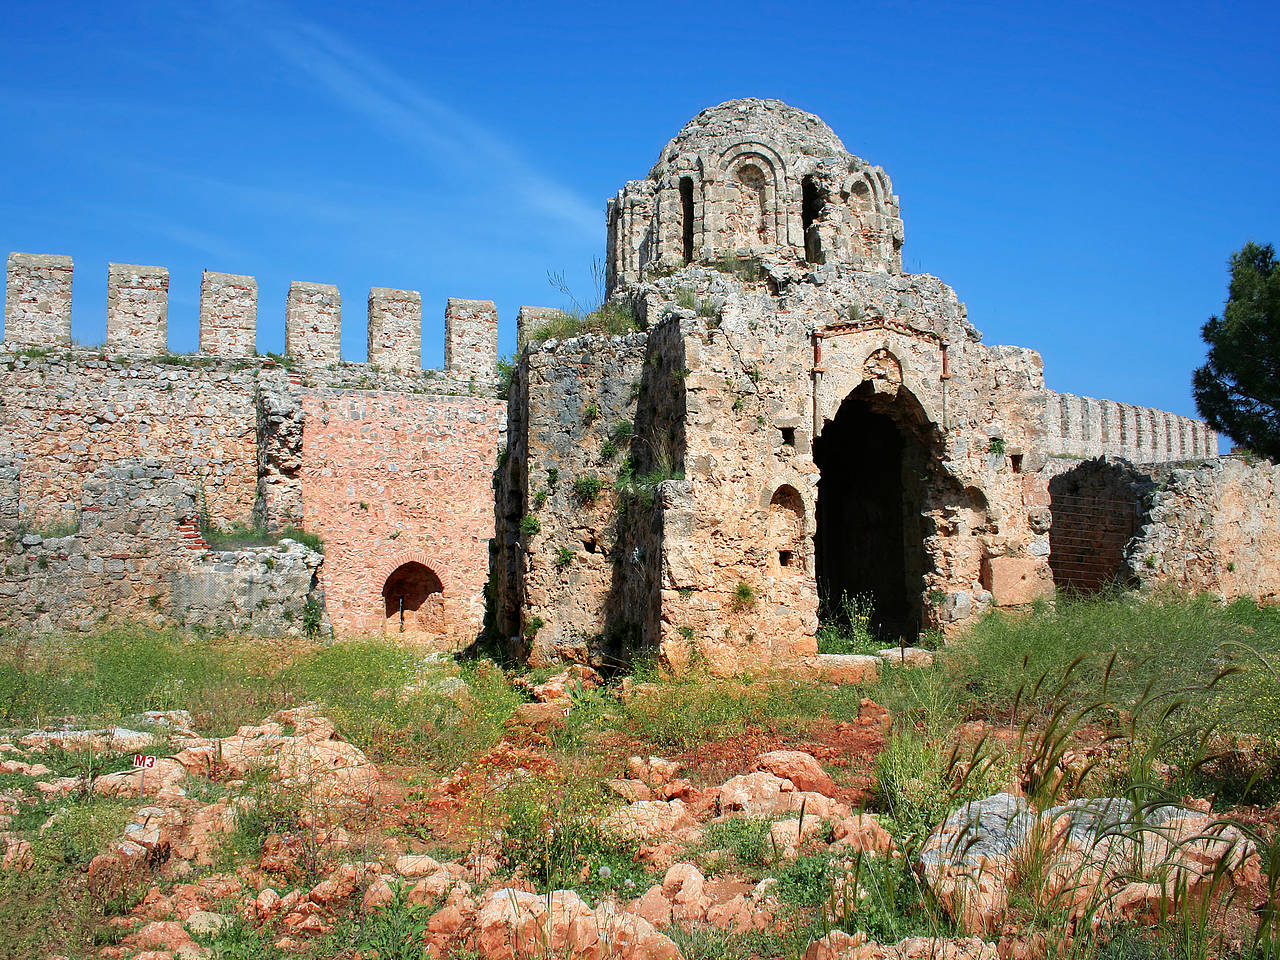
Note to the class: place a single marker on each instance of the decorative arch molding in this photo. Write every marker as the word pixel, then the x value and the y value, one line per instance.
pixel 845 371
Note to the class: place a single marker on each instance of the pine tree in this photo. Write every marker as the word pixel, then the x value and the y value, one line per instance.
pixel 1238 390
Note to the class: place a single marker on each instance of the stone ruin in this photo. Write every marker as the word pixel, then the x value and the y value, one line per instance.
pixel 794 420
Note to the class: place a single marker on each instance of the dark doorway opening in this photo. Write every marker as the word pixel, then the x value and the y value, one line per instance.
pixel 871 497
pixel 686 217
pixel 413 595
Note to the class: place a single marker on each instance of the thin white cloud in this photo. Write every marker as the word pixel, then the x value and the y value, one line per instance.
pixel 402 110
pixel 193 238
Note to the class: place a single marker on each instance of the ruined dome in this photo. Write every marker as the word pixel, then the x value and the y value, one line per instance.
pixel 786 130
pixel 754 179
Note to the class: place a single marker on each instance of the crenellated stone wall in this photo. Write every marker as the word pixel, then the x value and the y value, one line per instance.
pixel 38 316
pixel 395 329
pixel 471 338
pixel 255 447
pixel 1083 427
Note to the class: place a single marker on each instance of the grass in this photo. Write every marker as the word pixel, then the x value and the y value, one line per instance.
pixel 586 488
pixel 48 907
pixel 1194 665
pixel 608 320
pixel 680 714
pixel 239 536
pixel 744 268
pixel 381 695
pixel 553 830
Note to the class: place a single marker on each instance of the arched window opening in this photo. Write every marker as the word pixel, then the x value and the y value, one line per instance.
pixel 786 528
pixel 686 217
pixel 811 208
pixel 414 600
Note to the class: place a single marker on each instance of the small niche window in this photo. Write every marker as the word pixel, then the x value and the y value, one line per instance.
pixel 686 217
pixel 786 558
pixel 788 436
pixel 1015 462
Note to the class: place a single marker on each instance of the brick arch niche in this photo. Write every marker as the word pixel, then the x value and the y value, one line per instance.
pixel 413 601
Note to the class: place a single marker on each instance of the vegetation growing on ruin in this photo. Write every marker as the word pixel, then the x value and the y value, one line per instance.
pixel 847 627
pixel 744 268
pixel 239 536
pixel 600 317
pixel 586 488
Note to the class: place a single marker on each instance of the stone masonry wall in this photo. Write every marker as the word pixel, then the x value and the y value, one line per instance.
pixel 137 309
pixel 114 561
pixel 228 315
pixel 1082 428
pixel 64 416
pixel 135 554
pixel 389 479
pixel 270 591
pixel 1215 528
pixel 557 570
pixel 37 306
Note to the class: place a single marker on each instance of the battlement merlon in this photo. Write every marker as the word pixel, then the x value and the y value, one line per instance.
pixel 228 315
pixel 313 323
pixel 37 310
pixel 395 329
pixel 137 309
pixel 471 339
pixel 528 318
pixel 1086 427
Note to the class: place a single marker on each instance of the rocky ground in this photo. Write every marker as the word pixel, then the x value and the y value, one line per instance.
pixel 284 838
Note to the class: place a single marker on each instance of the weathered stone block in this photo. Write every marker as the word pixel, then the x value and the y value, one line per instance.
pixel 37 307
pixel 313 323
pixel 395 329
pixel 228 315
pixel 137 309
pixel 471 338
pixel 1014 581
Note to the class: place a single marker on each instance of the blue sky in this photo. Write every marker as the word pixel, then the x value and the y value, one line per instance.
pixel 1078 172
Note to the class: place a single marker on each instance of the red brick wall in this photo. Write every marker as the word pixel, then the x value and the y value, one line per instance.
pixel 390 478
